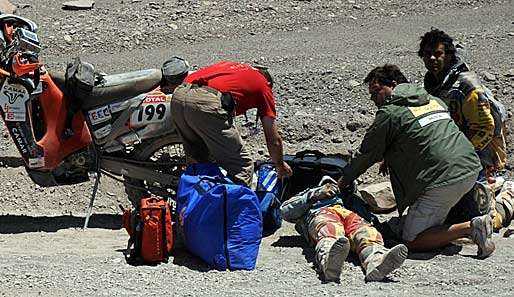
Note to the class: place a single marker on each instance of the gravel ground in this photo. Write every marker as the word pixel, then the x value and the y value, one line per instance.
pixel 319 51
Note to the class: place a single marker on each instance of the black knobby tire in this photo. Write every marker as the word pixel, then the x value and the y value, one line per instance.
pixel 161 149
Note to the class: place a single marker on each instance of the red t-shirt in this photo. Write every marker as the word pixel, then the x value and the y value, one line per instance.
pixel 248 86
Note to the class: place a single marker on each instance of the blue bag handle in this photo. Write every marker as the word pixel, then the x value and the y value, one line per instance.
pixel 214 180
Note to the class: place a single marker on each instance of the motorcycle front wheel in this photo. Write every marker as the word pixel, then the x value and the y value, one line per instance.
pixel 167 150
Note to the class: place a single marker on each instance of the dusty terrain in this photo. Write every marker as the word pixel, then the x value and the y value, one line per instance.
pixel 319 51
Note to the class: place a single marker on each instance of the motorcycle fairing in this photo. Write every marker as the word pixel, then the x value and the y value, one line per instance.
pixel 142 117
pixel 13 106
pixel 155 109
pixel 54 109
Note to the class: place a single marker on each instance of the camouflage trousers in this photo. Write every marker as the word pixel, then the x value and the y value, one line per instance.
pixel 336 221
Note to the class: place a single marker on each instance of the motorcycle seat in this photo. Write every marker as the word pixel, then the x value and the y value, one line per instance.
pixel 115 87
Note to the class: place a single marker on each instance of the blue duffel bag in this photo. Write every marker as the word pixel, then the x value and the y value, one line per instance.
pixel 221 221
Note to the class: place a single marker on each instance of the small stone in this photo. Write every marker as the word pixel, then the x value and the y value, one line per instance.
pixel 510 73
pixel 352 83
pixel 68 39
pixel 488 76
pixel 510 33
pixel 353 126
pixel 337 139
pixel 173 26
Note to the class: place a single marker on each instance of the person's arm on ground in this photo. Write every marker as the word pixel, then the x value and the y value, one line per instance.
pixel 295 207
pixel 274 143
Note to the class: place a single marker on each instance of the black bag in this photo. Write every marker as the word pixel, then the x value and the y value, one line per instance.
pixel 79 83
pixel 80 78
pixel 309 167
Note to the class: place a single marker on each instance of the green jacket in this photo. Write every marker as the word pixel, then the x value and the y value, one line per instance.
pixel 421 145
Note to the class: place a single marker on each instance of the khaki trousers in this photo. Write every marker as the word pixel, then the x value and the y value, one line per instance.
pixel 208 133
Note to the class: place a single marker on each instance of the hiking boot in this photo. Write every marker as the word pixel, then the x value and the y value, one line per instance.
pixel 481 233
pixel 331 255
pixel 382 262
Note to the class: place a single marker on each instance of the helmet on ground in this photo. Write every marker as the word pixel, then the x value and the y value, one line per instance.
pixel 174 70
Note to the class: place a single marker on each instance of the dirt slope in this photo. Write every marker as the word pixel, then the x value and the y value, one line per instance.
pixel 316 50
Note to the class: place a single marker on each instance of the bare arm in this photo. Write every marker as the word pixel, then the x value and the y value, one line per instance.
pixel 275 149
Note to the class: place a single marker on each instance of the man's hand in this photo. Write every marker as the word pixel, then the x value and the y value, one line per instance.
pixel 382 169
pixel 284 170
pixel 326 191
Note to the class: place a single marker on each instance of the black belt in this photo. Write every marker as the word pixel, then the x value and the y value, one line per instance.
pixel 227 101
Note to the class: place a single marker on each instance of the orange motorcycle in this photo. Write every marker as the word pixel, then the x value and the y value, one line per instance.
pixel 120 127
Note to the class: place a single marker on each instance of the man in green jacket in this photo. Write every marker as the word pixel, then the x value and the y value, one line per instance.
pixel 431 163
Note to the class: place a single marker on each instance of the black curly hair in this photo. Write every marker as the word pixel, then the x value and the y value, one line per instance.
pixel 433 37
pixel 386 74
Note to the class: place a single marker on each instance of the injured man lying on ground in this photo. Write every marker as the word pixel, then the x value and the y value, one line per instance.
pixel 321 217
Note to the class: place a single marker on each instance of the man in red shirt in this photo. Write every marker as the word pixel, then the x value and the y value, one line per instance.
pixel 203 108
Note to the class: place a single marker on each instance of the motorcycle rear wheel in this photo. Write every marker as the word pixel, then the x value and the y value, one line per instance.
pixel 164 149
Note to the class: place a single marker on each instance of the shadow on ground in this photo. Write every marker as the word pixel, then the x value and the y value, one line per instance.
pixel 10 224
pixel 12 162
pixel 449 250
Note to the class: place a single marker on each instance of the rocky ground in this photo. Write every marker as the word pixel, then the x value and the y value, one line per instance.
pixel 319 51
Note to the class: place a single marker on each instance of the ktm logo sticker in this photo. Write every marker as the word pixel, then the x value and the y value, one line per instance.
pixel 12 97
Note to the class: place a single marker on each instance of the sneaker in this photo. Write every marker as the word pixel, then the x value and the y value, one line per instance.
pixel 332 263
pixel 481 232
pixel 380 264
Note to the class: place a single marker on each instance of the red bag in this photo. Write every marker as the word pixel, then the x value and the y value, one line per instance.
pixel 150 230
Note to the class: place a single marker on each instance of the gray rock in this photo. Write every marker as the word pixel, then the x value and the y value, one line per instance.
pixel 352 83
pixel 488 76
pixel 353 126
pixel 337 139
pixel 78 4
pixel 379 197
pixel 68 39
pixel 7 7
pixel 24 5
pixel 510 73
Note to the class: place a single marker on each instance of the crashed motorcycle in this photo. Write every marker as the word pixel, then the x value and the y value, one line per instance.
pixel 121 127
